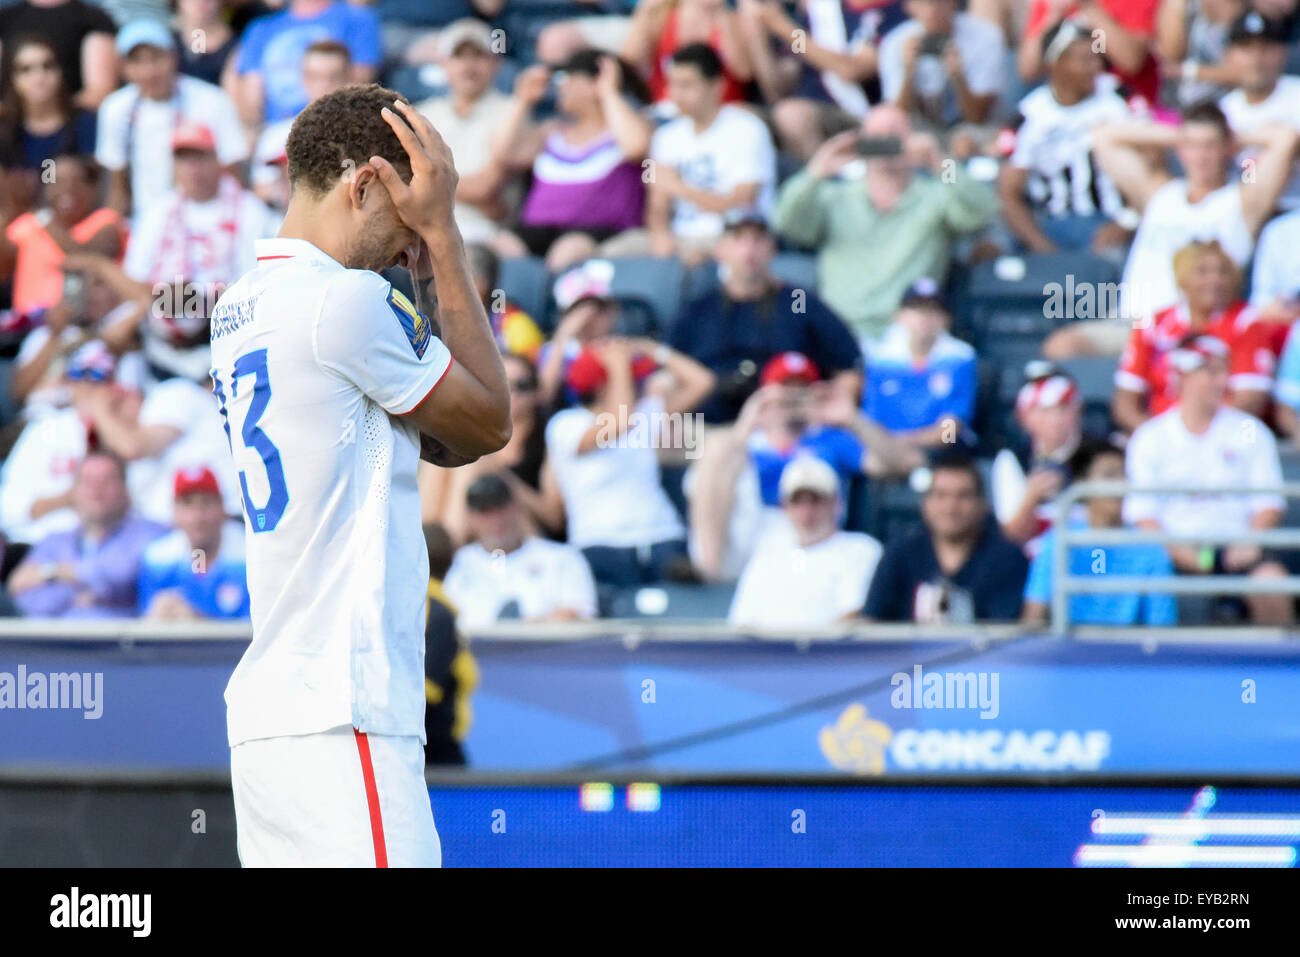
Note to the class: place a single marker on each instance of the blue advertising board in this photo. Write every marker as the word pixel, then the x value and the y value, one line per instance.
pixel 1036 705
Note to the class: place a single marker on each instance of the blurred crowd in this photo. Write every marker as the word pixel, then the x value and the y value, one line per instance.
pixel 815 180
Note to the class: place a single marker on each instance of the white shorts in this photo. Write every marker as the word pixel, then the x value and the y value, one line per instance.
pixel 335 799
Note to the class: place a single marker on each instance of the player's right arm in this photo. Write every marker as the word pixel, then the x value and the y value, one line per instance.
pixel 468 414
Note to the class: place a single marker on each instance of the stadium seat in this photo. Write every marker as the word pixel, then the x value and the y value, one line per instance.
pixel 796 269
pixel 698 280
pixel 656 282
pixel 895 510
pixel 858 507
pixel 1096 378
pixel 527 284
pixel 671 600
pixel 1000 279
pixel 417 83
pixel 1004 303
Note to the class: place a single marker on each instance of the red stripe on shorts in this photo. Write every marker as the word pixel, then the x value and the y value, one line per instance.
pixel 372 799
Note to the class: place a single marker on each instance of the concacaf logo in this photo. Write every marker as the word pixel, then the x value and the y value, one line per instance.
pixel 856 742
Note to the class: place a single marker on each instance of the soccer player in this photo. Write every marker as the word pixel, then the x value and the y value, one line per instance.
pixel 332 386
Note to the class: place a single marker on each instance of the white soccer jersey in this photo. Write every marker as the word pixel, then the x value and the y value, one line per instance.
pixel 313 367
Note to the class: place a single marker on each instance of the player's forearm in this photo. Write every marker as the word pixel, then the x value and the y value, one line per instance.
pixel 464 329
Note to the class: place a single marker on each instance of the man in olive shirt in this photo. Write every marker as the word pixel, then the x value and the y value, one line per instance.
pixel 877 235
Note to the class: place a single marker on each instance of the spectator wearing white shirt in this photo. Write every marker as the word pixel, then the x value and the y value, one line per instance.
pixel 1053 193
pixel 507 573
pixel 1192 36
pixel 1208 202
pixel 136 123
pixel 465 118
pixel 605 457
pixel 1204 442
pixel 712 159
pixel 819 87
pixel 1275 275
pixel 943 66
pixel 818 574
pixel 182 253
pixel 1256 56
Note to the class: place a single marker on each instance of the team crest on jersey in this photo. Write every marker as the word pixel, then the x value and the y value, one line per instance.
pixel 414 323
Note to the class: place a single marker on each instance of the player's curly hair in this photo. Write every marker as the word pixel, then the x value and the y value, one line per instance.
pixel 339 133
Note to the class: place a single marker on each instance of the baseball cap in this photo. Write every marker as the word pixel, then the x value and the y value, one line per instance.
pixel 92 362
pixel 1194 351
pixel 590 280
pixel 1046 387
pixel 789 367
pixel 144 33
pixel 587 373
pixel 1255 26
pixel 464 31
pixel 193 136
pixel 807 473
pixel 923 292
pixel 195 478
pixel 488 492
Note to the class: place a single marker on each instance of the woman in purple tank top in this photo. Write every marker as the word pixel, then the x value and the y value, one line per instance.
pixel 586 164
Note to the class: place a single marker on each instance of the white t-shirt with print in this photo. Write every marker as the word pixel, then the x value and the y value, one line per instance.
pixel 983 58
pixel 1054 143
pixel 736 149
pixel 541 577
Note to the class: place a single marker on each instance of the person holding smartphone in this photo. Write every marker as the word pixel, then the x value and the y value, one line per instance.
pixel 943 66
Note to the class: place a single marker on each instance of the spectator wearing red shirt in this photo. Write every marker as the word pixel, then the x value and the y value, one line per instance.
pixel 661 27
pixel 1211 305
pixel 1129 27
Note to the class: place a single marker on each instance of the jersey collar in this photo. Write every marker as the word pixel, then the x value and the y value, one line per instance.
pixel 281 248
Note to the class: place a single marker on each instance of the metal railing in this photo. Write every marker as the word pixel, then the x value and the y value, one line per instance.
pixel 1064 584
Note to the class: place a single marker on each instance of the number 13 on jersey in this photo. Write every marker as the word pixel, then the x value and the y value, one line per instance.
pixel 266 517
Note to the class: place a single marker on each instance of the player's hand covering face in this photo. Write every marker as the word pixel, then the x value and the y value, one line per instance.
pixel 425 204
